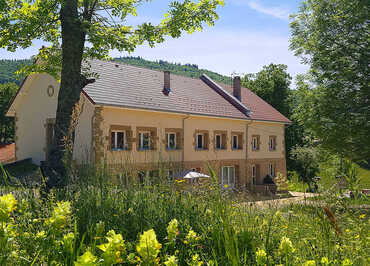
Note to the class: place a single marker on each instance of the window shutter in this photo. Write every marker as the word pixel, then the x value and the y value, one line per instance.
pixel 153 139
pixel 178 140
pixel 258 170
pixel 129 139
pixel 206 140
pixel 258 142
pixel 223 141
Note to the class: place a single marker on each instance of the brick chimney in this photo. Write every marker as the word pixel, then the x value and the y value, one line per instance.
pixel 237 88
pixel 167 82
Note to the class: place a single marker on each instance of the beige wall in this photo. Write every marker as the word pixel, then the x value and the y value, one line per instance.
pixel 161 121
pixel 82 151
pixel 193 158
pixel 33 107
pixel 264 130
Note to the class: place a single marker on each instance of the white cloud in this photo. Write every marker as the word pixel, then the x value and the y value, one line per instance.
pixel 275 11
pixel 225 51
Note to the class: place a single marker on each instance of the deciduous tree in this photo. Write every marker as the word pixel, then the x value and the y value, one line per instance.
pixel 84 29
pixel 333 37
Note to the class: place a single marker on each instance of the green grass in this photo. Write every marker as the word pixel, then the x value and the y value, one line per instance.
pixel 211 228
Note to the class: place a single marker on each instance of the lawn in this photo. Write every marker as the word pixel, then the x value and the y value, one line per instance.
pixel 98 223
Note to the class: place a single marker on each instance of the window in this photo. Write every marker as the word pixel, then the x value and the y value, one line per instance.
pixel 144 141
pixel 218 142
pixel 171 141
pixel 118 140
pixel 272 170
pixel 235 142
pixel 254 174
pixel 228 176
pixel 200 141
pixel 255 143
pixel 272 143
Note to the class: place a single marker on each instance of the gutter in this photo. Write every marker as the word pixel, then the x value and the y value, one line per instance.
pixel 183 142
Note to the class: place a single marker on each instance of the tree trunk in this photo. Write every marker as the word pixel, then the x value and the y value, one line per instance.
pixel 72 82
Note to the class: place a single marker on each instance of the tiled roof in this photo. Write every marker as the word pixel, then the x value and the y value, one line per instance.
pixel 141 88
pixel 260 110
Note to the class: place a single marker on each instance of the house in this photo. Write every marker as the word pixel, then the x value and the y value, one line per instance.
pixel 136 117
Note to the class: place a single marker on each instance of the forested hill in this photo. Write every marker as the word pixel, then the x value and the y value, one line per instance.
pixel 188 70
pixel 8 67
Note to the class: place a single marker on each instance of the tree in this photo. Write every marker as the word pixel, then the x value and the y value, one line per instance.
pixel 333 37
pixel 7 92
pixel 69 25
pixel 307 159
pixel 272 84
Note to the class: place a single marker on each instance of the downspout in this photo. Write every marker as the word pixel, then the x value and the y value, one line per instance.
pixel 246 148
pixel 183 143
pixel 92 151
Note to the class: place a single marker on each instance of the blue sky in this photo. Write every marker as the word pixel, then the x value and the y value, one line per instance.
pixel 248 35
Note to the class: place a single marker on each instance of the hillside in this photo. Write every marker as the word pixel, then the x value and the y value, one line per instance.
pixel 8 67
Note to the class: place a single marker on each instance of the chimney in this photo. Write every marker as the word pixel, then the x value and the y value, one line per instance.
pixel 167 83
pixel 237 88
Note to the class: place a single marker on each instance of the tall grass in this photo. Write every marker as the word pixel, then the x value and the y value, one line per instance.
pixel 212 227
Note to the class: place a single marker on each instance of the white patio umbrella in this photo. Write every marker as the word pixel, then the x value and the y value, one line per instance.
pixel 189 174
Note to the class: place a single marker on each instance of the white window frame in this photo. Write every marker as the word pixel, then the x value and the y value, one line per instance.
pixel 254 143
pixel 168 141
pixel 229 177
pixel 141 140
pixel 272 143
pixel 235 137
pixel 201 148
pixel 254 174
pixel 271 170
pixel 115 140
pixel 218 135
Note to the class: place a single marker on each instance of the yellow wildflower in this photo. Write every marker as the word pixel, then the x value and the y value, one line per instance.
pixel 172 230
pixel 324 261
pixel 347 262
pixel 87 259
pixel 362 216
pixel 286 246
pixel 60 215
pixel 261 257
pixel 191 236
pixel 148 247
pixel 171 261
pixel 310 263
pixel 7 205
pixel 113 249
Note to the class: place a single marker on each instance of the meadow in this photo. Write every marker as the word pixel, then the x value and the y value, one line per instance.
pixel 95 222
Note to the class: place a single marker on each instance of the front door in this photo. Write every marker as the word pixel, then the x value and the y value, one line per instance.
pixel 228 176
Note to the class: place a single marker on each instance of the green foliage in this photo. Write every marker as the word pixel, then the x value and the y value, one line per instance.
pixel 211 230
pixel 272 84
pixel 102 23
pixel 333 37
pixel 307 158
pixel 8 69
pixel 188 70
pixel 7 92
